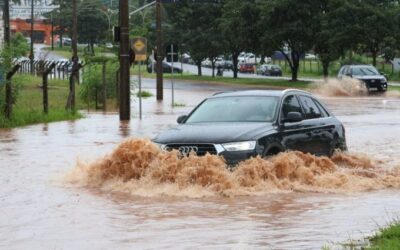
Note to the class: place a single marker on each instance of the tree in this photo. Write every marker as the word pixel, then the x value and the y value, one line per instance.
pixel 62 17
pixel 92 23
pixel 234 25
pixel 325 44
pixel 288 26
pixel 377 25
pixel 19 45
pixel 195 26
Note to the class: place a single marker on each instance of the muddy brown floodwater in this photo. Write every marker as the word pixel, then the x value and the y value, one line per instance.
pixel 57 189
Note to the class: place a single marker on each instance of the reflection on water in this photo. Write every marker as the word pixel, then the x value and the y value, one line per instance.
pixel 39 211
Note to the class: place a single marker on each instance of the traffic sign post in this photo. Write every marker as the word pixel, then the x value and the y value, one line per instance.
pixel 139 46
pixel 172 56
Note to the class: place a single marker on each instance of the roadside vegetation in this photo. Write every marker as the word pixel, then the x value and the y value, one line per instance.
pixel 387 238
pixel 66 51
pixel 28 106
pixel 278 83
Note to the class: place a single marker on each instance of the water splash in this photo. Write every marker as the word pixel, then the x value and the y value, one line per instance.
pixel 138 167
pixel 344 87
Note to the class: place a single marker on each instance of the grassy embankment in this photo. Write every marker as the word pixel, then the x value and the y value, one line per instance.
pixel 307 68
pixel 28 108
pixel 65 51
pixel 259 82
pixel 387 238
pixel 313 68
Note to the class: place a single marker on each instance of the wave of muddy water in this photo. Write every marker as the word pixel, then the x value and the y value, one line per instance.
pixel 138 167
pixel 38 210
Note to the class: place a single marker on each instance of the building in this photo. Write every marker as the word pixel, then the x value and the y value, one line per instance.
pixel 20 15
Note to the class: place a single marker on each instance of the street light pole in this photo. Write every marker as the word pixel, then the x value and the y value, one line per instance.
pixel 32 56
pixel 159 52
pixel 124 62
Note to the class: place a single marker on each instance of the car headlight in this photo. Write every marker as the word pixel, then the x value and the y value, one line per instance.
pixel 239 146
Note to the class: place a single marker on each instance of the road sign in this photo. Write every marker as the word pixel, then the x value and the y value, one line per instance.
pixel 171 53
pixel 139 46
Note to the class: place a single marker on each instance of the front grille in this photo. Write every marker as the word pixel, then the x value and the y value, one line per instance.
pixel 373 83
pixel 185 149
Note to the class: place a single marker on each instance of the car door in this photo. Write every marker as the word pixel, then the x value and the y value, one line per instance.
pixel 294 135
pixel 320 125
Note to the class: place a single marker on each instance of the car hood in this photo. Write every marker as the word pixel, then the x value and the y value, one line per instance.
pixel 213 132
pixel 376 77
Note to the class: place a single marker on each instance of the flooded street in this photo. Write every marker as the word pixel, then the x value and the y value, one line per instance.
pixel 40 210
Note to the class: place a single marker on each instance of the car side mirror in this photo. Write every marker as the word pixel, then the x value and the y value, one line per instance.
pixel 293 117
pixel 181 119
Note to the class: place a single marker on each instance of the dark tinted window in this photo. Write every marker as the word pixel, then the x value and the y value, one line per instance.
pixel 364 71
pixel 344 70
pixel 236 109
pixel 310 108
pixel 321 108
pixel 290 104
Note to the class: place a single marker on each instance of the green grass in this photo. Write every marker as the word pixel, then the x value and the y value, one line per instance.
pixel 29 105
pixel 177 104
pixel 66 51
pixel 278 83
pixel 387 238
pixel 144 94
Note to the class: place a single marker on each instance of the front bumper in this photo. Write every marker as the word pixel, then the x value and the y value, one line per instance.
pixel 377 84
pixel 233 158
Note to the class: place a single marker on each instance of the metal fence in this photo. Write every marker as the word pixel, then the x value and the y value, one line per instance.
pixel 62 69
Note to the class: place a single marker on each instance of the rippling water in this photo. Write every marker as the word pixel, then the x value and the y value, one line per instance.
pixel 39 210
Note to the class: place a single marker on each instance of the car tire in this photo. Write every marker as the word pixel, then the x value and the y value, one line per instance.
pixel 271 152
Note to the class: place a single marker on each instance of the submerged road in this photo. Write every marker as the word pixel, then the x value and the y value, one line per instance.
pixel 38 210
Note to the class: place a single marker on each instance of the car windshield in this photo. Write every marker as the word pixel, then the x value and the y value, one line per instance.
pixel 236 109
pixel 364 71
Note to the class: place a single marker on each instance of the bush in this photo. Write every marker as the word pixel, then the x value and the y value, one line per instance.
pixel 92 88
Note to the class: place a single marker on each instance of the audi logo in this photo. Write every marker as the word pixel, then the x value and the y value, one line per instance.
pixel 186 150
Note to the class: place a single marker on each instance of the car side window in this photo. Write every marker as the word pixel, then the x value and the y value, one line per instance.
pixel 290 104
pixel 311 109
pixel 324 113
pixel 341 71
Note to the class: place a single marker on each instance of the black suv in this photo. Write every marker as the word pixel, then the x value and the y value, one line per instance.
pixel 366 73
pixel 242 124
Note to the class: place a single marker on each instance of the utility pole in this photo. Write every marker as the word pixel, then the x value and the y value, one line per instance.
pixel 52 32
pixel 75 67
pixel 6 19
pixel 124 62
pixel 160 51
pixel 32 56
